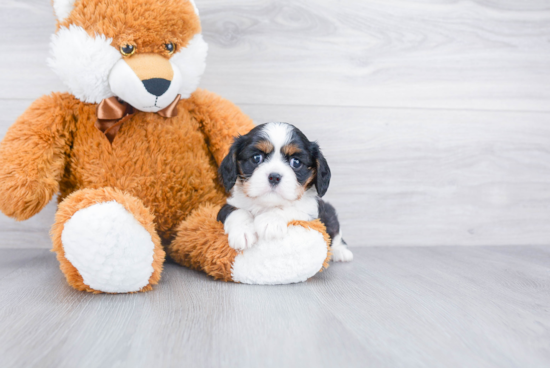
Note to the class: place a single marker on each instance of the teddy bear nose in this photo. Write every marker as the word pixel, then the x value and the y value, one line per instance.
pixel 156 86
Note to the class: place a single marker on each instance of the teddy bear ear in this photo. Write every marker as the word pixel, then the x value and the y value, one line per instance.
pixel 194 6
pixel 63 8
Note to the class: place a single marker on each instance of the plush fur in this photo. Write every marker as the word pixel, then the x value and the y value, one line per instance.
pixel 201 244
pixel 84 52
pixel 158 175
pixel 83 63
pixel 85 199
pixel 295 258
pixel 95 233
pixel 63 8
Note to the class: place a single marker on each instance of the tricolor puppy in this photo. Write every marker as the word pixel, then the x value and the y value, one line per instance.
pixel 276 175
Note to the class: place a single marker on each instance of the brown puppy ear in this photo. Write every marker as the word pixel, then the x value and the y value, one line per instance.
pixel 228 170
pixel 322 179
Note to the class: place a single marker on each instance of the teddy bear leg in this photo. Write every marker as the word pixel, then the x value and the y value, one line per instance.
pixel 201 244
pixel 105 241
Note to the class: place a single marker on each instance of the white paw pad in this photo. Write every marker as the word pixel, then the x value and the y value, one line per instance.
pixel 110 249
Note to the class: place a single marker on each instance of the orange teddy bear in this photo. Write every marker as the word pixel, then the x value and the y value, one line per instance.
pixel 132 149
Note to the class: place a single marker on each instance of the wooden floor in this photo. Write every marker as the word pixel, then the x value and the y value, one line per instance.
pixel 390 307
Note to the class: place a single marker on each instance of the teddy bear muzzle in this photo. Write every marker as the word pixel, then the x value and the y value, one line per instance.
pixel 148 82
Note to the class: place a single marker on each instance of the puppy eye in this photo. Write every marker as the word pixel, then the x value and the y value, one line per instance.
pixel 127 50
pixel 257 158
pixel 170 47
pixel 295 163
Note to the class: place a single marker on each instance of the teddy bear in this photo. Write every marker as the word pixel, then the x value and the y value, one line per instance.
pixel 131 149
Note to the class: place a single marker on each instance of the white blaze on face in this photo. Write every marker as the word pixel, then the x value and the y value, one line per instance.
pixel 258 186
pixel 92 69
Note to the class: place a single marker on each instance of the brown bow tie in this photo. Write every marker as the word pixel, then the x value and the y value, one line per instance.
pixel 112 113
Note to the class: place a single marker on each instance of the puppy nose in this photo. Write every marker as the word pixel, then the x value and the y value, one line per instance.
pixel 156 86
pixel 274 179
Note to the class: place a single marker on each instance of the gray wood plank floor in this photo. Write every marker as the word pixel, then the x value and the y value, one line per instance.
pixel 391 307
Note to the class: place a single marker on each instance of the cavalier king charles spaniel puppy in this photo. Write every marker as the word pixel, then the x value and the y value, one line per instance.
pixel 275 175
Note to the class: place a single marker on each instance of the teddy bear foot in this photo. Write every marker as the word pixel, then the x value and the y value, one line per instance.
pixel 202 244
pixel 106 244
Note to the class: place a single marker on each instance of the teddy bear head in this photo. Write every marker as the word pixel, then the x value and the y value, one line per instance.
pixel 145 52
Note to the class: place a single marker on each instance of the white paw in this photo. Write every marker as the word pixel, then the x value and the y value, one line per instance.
pixel 339 250
pixel 110 249
pixel 239 227
pixel 271 225
pixel 341 254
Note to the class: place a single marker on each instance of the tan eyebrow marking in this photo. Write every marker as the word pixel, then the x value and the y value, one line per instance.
pixel 264 146
pixel 290 149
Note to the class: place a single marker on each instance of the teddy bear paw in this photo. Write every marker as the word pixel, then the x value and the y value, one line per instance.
pixel 110 249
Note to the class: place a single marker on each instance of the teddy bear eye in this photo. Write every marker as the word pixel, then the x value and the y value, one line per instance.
pixel 127 50
pixel 170 47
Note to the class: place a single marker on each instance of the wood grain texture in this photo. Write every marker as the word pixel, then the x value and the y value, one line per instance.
pixel 411 177
pixel 459 168
pixel 431 177
pixel 399 53
pixel 391 307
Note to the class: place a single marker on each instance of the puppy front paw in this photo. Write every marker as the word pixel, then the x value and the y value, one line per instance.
pixel 271 226
pixel 239 227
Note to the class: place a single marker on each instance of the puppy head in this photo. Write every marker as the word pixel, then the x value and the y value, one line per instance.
pixel 273 164
pixel 144 51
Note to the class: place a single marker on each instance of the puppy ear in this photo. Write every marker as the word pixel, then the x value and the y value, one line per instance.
pixel 322 179
pixel 228 171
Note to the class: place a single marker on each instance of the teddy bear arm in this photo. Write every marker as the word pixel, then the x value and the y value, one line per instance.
pixel 220 120
pixel 32 158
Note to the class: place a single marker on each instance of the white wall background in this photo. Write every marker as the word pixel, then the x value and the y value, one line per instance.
pixel 434 114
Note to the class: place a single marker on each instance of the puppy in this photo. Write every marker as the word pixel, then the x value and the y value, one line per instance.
pixel 275 175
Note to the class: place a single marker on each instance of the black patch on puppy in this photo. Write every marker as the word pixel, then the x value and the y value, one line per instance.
pixel 224 213
pixel 239 162
pixel 227 171
pixel 328 216
pixel 301 151
pixel 322 179
pixel 310 155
